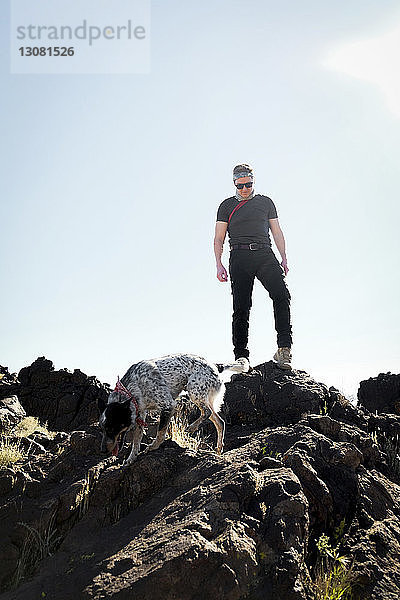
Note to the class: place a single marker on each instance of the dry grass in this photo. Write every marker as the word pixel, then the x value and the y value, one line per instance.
pixel 10 452
pixel 39 543
pixel 177 431
pixel 335 584
pixel 29 425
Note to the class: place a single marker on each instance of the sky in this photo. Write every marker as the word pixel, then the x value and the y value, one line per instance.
pixel 110 183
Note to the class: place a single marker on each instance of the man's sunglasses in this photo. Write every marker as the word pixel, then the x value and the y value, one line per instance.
pixel 240 186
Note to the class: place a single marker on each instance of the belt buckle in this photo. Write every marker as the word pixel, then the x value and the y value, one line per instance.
pixel 253 244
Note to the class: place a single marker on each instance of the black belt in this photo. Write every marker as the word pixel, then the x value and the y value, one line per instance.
pixel 252 246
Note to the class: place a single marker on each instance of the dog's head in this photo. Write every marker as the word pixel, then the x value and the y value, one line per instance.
pixel 115 421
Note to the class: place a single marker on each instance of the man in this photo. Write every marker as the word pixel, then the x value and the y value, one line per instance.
pixel 247 217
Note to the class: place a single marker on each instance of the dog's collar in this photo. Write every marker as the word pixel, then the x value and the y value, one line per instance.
pixel 121 389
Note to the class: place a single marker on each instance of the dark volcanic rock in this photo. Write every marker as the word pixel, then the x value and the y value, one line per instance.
pixel 374 537
pixel 6 379
pixel 179 525
pixel 344 411
pixel 270 396
pixel 218 528
pixel 380 394
pixel 386 424
pixel 64 400
pixel 11 412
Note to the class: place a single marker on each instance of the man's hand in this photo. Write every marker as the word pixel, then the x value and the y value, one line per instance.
pixel 222 275
pixel 279 241
pixel 284 266
pixel 220 233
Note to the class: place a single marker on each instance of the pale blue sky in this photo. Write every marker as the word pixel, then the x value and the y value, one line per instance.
pixel 110 186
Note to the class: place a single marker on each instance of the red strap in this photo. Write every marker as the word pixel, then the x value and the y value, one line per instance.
pixel 121 389
pixel 237 208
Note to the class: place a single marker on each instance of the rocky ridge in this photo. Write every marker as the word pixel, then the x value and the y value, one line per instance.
pixel 299 461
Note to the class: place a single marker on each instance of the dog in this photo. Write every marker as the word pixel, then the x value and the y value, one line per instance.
pixel 155 385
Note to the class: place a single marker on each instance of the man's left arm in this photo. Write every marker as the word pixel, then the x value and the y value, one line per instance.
pixel 279 240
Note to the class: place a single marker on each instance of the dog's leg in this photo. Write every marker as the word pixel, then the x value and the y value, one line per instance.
pixel 205 413
pixel 220 427
pixel 210 403
pixel 214 401
pixel 165 418
pixel 137 438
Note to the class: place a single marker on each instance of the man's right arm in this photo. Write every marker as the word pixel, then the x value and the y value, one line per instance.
pixel 219 238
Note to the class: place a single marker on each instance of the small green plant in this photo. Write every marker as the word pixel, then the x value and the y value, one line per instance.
pixel 339 531
pixel 334 575
pixel 271 453
pixel 323 410
pixel 10 451
pixel 87 556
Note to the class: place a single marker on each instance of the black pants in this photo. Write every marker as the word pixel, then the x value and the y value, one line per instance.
pixel 244 266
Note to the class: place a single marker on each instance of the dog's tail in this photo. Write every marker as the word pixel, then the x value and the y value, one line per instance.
pixel 240 366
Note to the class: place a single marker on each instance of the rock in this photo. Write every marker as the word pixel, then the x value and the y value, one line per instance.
pixel 7 380
pixel 386 424
pixel 342 410
pixel 11 413
pixel 326 469
pixel 342 432
pixel 374 537
pixel 7 480
pixel 29 445
pixel 216 516
pixel 64 400
pixel 270 396
pixel 300 461
pixel 85 443
pixel 380 394
pixel 385 430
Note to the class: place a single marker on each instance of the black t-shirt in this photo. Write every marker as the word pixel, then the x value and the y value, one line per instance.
pixel 250 223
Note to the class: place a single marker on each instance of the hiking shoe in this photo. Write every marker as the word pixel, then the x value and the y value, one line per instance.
pixel 283 358
pixel 243 362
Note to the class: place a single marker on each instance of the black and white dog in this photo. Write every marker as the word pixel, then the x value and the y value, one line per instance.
pixel 154 385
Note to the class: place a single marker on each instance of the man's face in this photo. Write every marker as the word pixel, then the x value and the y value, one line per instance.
pixel 245 191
